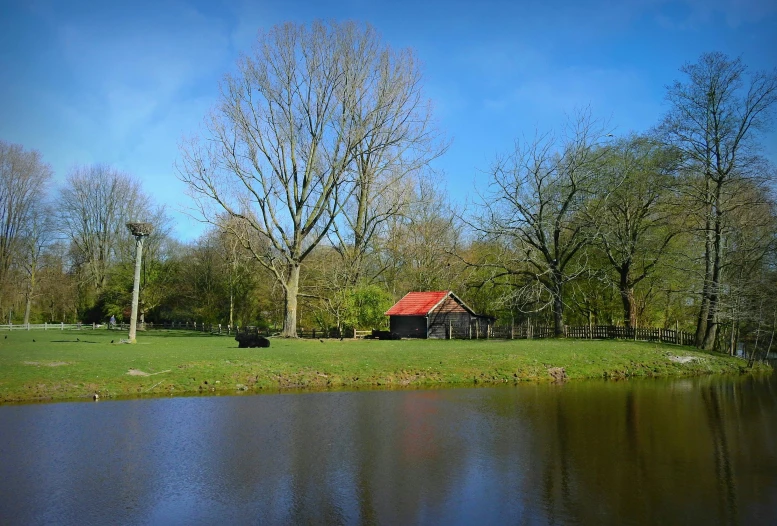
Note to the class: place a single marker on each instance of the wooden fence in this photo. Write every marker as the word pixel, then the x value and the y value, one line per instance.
pixel 505 332
pixel 611 332
pixel 587 332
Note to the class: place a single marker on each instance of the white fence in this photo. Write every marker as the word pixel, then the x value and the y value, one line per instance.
pixel 50 326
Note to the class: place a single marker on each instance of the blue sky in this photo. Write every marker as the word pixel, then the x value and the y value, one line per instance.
pixel 122 83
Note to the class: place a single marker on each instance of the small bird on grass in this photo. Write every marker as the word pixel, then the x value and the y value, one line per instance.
pixel 111 341
pixel 78 339
pixel 33 340
pixel 322 341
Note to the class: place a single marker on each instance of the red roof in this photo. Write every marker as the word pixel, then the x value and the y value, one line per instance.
pixel 417 303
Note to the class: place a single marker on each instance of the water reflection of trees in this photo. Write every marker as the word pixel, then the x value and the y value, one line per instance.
pixel 658 451
pixel 652 452
pixel 662 451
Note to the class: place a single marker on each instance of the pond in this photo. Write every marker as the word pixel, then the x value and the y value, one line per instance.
pixel 684 451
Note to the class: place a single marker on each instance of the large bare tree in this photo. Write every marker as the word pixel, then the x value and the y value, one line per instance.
pixel 23 179
pixel 535 208
pixel 94 206
pixel 37 238
pixel 399 143
pixel 715 117
pixel 279 147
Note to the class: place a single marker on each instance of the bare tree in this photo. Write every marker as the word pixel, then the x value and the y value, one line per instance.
pixel 279 146
pixel 399 143
pixel 23 178
pixel 634 221
pixel 535 207
pixel 714 119
pixel 94 205
pixel 417 250
pixel 746 267
pixel 38 236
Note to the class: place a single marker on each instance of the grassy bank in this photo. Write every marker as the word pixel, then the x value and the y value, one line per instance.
pixel 58 365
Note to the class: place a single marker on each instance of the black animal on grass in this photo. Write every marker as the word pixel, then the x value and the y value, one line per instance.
pixel 251 340
pixel 385 335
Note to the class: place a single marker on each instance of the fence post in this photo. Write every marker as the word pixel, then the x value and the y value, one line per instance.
pixel 45 326
pixel 470 329
pixel 62 326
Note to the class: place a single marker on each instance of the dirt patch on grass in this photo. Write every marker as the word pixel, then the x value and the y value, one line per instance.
pixel 47 364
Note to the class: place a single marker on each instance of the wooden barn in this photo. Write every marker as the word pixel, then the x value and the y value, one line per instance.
pixel 439 314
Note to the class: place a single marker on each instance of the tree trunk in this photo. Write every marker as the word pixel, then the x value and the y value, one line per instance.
pixel 629 308
pixel 558 308
pixel 712 322
pixel 627 296
pixel 701 321
pixel 291 287
pixel 28 303
pixel 704 309
pixel 232 285
pixel 231 307
pixel 717 271
pixel 359 234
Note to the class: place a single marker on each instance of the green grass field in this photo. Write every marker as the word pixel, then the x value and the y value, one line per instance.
pixel 59 365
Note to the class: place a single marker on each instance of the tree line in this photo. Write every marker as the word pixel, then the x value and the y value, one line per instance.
pixel 314 172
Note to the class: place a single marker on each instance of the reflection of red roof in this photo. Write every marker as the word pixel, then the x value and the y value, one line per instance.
pixel 417 303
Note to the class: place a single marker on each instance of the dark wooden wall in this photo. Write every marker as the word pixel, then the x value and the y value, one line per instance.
pixel 408 326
